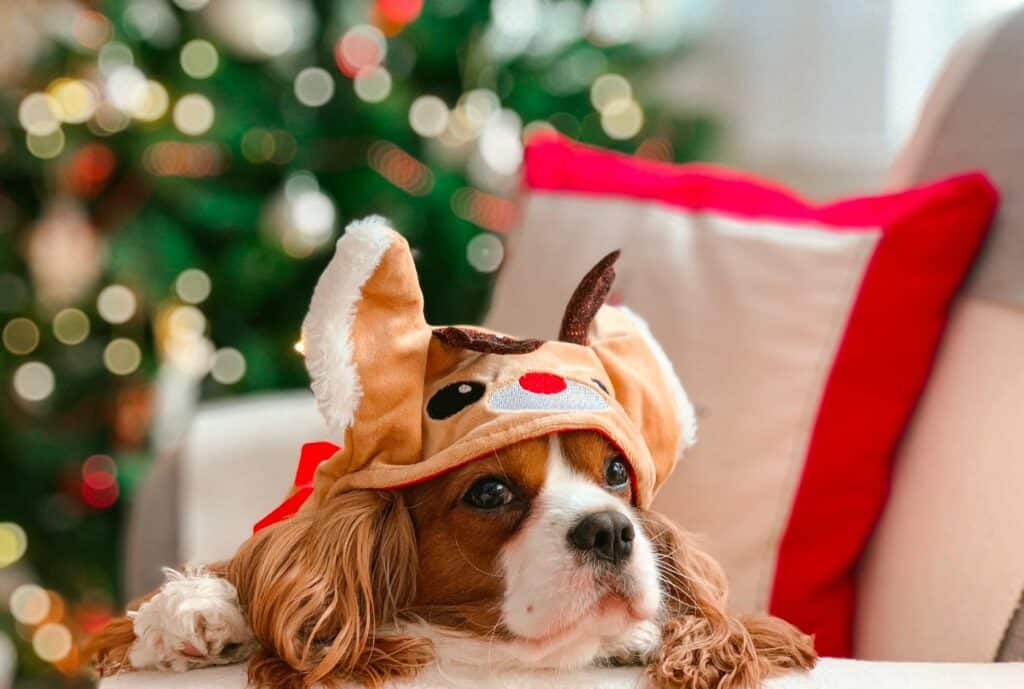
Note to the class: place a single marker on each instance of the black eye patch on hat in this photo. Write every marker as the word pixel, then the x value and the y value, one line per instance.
pixel 453 398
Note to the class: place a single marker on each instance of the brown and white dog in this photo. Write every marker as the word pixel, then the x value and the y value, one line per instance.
pixel 490 510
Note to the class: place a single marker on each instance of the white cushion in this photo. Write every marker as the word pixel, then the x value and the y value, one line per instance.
pixel 830 674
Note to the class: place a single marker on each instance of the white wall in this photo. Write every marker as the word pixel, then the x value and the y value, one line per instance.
pixel 821 93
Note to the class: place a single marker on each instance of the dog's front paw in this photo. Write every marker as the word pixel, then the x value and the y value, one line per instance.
pixel 194 621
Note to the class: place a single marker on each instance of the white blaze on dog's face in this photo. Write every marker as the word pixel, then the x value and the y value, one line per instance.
pixel 538 553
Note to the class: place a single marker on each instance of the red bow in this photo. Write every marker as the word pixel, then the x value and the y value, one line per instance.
pixel 313 455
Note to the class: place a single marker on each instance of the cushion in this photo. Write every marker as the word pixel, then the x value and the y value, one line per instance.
pixel 804 334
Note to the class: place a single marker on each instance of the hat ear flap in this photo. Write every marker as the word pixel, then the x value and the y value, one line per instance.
pixel 366 343
pixel 645 385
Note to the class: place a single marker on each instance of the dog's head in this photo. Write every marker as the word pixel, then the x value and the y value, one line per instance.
pixel 490 503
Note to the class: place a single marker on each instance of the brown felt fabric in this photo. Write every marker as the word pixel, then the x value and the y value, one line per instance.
pixel 401 362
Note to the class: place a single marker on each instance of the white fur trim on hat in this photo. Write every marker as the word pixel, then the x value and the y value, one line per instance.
pixel 685 414
pixel 327 330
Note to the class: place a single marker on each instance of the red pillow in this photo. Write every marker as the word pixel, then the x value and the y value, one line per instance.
pixel 804 334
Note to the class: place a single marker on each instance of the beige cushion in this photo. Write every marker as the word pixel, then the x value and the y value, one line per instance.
pixel 946 566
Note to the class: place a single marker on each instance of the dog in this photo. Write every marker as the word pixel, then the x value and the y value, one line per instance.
pixel 490 509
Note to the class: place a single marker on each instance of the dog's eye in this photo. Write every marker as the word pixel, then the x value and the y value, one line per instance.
pixel 488 494
pixel 451 399
pixel 616 472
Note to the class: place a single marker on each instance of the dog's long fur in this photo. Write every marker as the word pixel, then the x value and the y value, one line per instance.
pixel 328 592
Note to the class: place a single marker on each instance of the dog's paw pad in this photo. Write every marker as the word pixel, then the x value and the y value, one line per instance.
pixel 193 621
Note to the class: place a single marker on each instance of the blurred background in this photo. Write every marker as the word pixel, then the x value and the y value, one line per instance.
pixel 173 174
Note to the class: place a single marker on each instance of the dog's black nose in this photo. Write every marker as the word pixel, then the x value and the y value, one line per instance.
pixel 607 535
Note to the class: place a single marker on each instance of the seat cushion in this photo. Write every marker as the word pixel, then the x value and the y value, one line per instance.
pixel 804 334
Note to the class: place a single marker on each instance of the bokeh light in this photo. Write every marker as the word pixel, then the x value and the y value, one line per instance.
pixel 38 114
pixel 428 116
pixel 91 29
pixel 622 119
pixel 52 642
pixel 609 88
pixel 194 114
pixel 193 286
pixel 485 252
pixel 360 47
pixel 75 99
pixel 400 168
pixel 114 55
pixel 20 336
pixel 116 304
pixel 45 146
pixel 191 5
pixel 373 84
pixel 228 366
pixel 151 103
pixel 99 482
pixel 29 604
pixel 186 321
pixel 122 356
pixel 34 381
pixel 314 87
pixel 71 326
pixel 13 543
pixel 199 59
pixel 126 88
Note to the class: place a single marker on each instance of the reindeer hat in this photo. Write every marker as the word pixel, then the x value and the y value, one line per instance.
pixel 416 401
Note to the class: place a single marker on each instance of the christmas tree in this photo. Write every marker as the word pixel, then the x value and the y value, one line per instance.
pixel 172 178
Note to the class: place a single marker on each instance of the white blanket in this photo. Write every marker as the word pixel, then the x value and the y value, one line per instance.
pixel 831 673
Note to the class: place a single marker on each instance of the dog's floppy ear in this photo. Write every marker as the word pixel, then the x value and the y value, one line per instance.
pixel 323 588
pixel 703 646
pixel 366 344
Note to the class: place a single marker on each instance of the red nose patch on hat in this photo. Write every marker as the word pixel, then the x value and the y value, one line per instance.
pixel 542 383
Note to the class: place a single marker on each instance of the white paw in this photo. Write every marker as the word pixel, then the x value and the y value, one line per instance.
pixel 194 621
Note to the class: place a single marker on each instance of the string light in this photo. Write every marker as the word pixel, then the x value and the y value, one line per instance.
pixel 122 356
pixel 228 366
pixel 34 381
pixel 194 114
pixel 13 543
pixel 300 347
pixel 193 286
pixel 199 59
pixel 20 336
pixel 71 326
pixel 428 116
pixel 314 87
pixel 372 84
pixel 52 642
pixel 485 252
pixel 116 304
pixel 29 604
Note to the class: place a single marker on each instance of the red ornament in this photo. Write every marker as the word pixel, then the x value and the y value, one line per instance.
pixel 399 11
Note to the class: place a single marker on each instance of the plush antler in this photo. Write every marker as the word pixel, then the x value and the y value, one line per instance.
pixel 488 343
pixel 587 299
